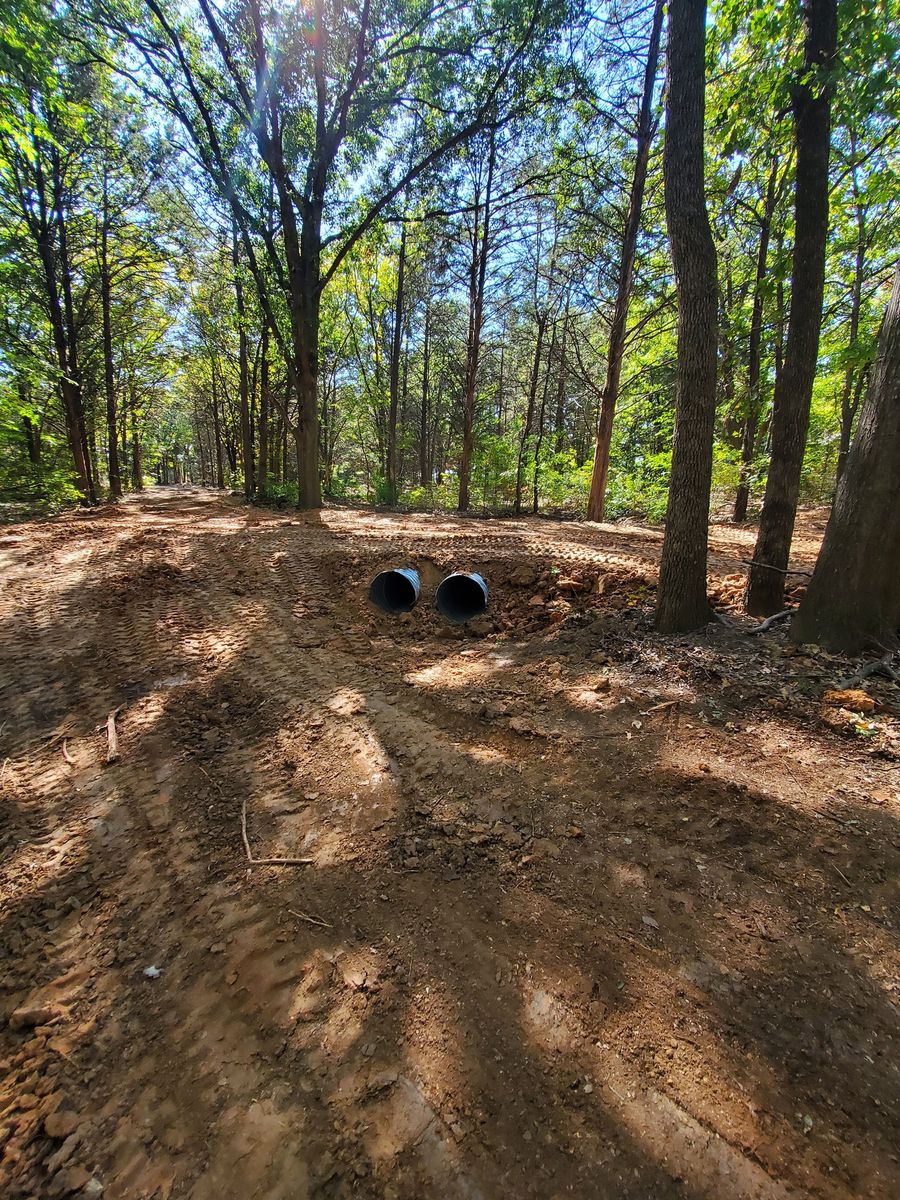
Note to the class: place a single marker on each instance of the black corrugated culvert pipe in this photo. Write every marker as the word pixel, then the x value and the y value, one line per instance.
pixel 460 597
pixel 395 591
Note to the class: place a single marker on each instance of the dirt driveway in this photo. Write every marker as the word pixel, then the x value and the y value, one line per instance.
pixel 587 912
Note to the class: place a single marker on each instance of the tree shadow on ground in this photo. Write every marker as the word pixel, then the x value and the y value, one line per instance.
pixel 453 1004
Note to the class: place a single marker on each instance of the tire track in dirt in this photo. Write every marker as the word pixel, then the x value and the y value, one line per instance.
pixel 271 1053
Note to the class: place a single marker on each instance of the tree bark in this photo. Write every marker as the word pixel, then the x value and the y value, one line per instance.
pixel 109 378
pixel 853 600
pixel 542 318
pixel 262 479
pixel 217 431
pixel 793 389
pixel 477 276
pixel 754 355
pixel 682 602
pixel 616 349
pixel 850 396
pixel 137 467
pixel 424 412
pixel 394 378
pixel 244 389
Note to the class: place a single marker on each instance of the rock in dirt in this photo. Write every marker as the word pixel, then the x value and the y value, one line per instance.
pixel 30 1015
pixel 61 1156
pixel 73 1179
pixel 60 1124
pixel 545 848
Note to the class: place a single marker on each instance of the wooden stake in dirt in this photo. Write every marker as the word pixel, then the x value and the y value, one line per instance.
pixel 266 862
pixel 112 752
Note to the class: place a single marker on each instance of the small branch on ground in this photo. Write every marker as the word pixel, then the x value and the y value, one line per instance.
pixel 266 862
pixel 881 666
pixel 112 750
pixel 311 920
pixel 751 562
pixel 770 621
pixel 66 755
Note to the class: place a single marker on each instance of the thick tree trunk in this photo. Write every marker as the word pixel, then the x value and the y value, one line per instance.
pixel 682 602
pixel 851 395
pixel 616 349
pixel 850 401
pixel 793 390
pixel 109 378
pixel 853 600
pixel 754 355
pixel 477 276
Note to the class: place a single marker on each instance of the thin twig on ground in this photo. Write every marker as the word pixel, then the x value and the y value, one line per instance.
pixel 770 621
pixel 266 862
pixel 311 920
pixel 751 562
pixel 662 707
pixel 66 755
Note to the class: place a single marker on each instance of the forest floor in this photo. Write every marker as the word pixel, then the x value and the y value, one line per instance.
pixel 588 912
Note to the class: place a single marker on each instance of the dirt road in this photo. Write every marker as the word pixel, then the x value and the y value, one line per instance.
pixel 588 912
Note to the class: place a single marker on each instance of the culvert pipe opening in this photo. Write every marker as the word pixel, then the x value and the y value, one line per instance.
pixel 460 597
pixel 395 591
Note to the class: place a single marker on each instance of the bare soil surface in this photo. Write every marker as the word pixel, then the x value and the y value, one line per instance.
pixel 588 912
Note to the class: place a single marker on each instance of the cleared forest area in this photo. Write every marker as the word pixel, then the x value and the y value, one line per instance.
pixel 582 910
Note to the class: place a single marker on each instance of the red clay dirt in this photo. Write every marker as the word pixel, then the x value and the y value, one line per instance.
pixel 589 912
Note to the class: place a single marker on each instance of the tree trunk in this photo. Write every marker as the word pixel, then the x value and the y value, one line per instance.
pixel 616 350
pixel 424 417
pixel 850 396
pixel 244 388
pixel 560 420
pixel 542 415
pixel 71 336
pixel 682 602
pixel 529 412
pixel 137 468
pixel 793 390
pixel 853 600
pixel 477 275
pixel 69 386
pixel 262 479
pixel 396 350
pixel 850 401
pixel 754 355
pixel 109 378
pixel 217 430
